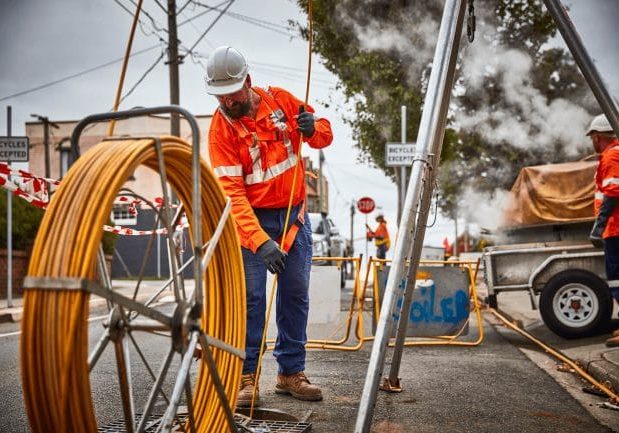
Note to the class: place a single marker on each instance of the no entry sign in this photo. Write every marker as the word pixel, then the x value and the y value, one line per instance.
pixel 365 205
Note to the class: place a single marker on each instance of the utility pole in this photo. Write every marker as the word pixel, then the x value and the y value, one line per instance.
pixel 403 168
pixel 321 187
pixel 352 225
pixel 173 61
pixel 9 221
pixel 455 247
pixel 46 125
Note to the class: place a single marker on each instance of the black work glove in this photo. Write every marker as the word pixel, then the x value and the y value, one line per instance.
pixel 596 235
pixel 273 257
pixel 306 121
pixel 606 210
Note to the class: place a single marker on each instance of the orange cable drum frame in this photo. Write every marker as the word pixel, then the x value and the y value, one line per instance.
pixel 67 267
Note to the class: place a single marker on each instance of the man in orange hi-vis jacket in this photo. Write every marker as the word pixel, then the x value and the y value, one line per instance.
pixel 380 236
pixel 605 232
pixel 254 142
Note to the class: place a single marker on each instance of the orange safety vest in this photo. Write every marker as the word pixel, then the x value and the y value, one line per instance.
pixel 607 184
pixel 255 160
pixel 381 235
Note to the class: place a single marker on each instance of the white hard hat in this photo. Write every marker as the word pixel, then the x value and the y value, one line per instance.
pixel 599 124
pixel 226 70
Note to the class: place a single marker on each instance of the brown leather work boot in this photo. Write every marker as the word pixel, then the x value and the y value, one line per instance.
pixel 298 386
pixel 613 341
pixel 246 391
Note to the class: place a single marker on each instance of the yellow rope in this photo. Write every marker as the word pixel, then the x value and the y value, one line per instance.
pixel 123 71
pixel 54 340
pixel 287 221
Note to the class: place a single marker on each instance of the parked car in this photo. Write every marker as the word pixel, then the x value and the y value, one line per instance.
pixel 327 242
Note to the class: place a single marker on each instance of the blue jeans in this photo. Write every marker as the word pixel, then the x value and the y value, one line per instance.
pixel 292 301
pixel 611 256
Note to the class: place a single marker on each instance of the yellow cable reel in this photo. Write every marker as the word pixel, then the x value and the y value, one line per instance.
pixel 54 341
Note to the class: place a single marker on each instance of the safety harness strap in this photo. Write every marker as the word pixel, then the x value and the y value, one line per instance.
pixel 291 235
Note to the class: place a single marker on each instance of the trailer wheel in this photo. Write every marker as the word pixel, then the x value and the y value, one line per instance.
pixel 575 304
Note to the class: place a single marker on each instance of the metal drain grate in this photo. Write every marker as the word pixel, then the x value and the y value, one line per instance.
pixel 256 426
pixel 119 425
pixel 260 426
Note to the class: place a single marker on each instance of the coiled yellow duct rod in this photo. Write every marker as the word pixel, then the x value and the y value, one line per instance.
pixel 54 340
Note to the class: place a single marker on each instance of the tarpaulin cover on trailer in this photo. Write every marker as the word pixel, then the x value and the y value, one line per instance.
pixel 553 193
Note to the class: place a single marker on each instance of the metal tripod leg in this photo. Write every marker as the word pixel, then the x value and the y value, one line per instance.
pixel 392 382
pixel 430 131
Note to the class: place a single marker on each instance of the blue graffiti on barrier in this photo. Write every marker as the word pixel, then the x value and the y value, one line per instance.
pixel 451 309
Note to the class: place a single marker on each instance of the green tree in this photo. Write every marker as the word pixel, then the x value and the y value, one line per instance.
pixel 381 51
pixel 25 222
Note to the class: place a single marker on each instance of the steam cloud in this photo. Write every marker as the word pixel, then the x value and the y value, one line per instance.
pixel 538 123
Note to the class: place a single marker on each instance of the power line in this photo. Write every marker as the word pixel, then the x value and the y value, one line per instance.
pixel 274 27
pixel 137 83
pixel 221 14
pixel 79 74
pixel 95 68
pixel 182 8
pixel 165 10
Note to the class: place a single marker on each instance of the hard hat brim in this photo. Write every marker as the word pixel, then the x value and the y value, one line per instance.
pixel 224 89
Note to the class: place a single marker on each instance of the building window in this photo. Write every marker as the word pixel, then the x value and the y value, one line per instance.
pixel 122 216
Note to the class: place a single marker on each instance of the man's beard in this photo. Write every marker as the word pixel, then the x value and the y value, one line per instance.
pixel 237 110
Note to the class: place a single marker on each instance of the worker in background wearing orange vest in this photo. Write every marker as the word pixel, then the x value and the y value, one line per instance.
pixel 254 141
pixel 605 232
pixel 380 236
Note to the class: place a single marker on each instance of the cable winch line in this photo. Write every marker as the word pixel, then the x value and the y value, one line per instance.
pixel 123 69
pixel 54 341
pixel 558 355
pixel 287 220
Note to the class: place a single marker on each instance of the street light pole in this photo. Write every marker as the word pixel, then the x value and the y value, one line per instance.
pixel 173 61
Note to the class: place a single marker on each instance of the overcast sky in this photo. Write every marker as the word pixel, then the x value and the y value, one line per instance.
pixel 43 41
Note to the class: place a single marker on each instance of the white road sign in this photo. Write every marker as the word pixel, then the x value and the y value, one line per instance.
pixel 399 154
pixel 14 149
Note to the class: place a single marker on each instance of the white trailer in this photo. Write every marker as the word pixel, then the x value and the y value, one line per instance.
pixel 567 276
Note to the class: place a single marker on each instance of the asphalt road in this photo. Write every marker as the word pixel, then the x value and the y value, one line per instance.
pixel 498 386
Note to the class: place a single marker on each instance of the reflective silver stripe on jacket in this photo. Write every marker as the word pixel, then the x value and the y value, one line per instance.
pixel 610 181
pixel 613 284
pixel 258 175
pixel 599 195
pixel 229 170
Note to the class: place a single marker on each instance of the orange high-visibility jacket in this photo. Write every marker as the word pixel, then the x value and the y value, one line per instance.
pixel 607 184
pixel 255 159
pixel 381 235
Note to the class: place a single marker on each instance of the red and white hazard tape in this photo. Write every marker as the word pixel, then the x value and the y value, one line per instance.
pixel 9 185
pixel 133 203
pixel 131 232
pixel 6 169
pixel 17 191
pixel 39 184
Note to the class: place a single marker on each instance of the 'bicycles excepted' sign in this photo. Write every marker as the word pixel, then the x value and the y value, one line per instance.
pixel 14 149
